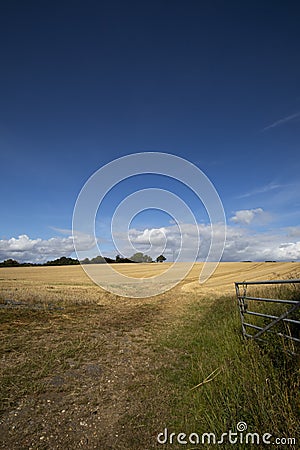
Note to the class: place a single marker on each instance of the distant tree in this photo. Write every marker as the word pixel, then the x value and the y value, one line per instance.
pixel 137 257
pixel 120 259
pixel 85 261
pixel 109 260
pixel 161 258
pixel 63 261
pixel 98 260
pixel 140 258
pixel 10 263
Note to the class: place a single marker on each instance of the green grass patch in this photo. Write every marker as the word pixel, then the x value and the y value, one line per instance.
pixel 218 379
pixel 272 337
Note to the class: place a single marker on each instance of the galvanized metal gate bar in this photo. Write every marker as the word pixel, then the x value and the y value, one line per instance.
pixel 241 293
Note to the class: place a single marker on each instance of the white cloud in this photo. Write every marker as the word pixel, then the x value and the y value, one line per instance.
pixel 289 250
pixel 155 236
pixel 241 244
pixel 246 216
pixel 23 248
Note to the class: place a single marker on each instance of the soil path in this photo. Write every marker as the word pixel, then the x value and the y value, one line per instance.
pixel 108 395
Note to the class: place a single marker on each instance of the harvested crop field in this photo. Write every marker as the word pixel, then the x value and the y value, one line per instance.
pixel 22 279
pixel 83 368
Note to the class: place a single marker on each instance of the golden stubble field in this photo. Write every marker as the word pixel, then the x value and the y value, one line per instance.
pixel 72 281
pixel 80 367
pixel 20 280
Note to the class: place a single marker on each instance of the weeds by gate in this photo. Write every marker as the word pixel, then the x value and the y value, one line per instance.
pixel 263 318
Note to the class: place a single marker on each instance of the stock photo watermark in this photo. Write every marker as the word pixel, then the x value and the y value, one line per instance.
pixel 240 436
pixel 98 186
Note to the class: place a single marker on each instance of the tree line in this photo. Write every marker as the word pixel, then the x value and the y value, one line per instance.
pixel 64 261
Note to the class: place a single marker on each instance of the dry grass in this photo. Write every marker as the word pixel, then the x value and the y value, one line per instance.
pixel 83 368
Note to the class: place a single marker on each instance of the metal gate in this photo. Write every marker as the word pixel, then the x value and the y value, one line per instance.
pixel 289 317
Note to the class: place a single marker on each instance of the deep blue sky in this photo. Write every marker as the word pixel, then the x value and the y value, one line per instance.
pixel 85 82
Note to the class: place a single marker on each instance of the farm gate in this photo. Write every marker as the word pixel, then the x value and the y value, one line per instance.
pixel 257 313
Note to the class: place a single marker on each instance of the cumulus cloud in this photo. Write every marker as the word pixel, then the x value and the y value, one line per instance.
pixel 23 248
pixel 154 236
pixel 241 244
pixel 247 216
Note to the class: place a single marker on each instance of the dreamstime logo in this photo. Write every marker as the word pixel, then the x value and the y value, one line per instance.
pixel 106 178
pixel 241 426
pixel 240 436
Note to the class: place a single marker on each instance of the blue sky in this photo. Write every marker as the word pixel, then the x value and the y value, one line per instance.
pixel 84 83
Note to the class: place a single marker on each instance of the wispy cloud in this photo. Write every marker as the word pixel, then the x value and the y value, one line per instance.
pixel 282 121
pixel 262 190
pixel 293 232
